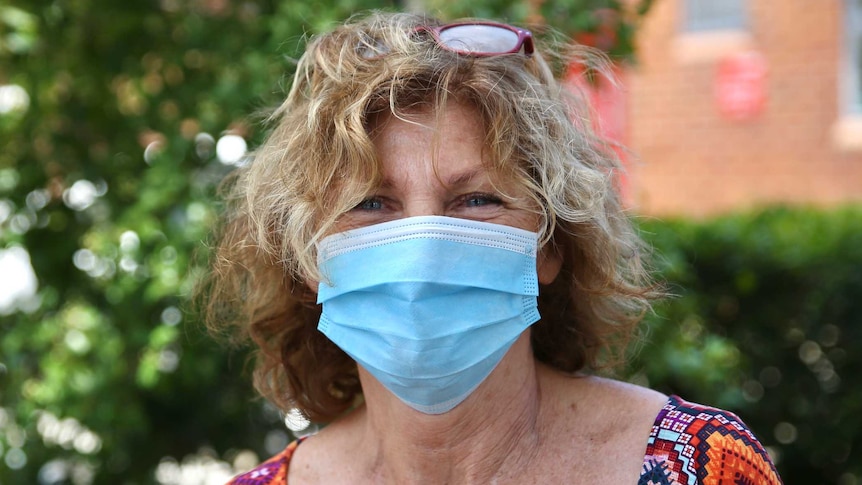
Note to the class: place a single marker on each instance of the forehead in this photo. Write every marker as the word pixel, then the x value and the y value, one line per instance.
pixel 450 145
pixel 452 123
pixel 442 142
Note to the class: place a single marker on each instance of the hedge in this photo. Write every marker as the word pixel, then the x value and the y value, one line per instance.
pixel 766 320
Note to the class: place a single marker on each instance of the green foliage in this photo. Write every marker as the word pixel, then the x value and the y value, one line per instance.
pixel 767 322
pixel 107 176
pixel 605 24
pixel 107 179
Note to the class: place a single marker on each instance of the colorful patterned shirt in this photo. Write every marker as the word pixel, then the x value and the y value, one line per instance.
pixel 692 444
pixel 689 444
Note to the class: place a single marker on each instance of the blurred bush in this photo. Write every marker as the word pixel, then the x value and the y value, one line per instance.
pixel 117 121
pixel 767 322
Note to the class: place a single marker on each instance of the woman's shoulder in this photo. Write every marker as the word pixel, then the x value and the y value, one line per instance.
pixel 691 442
pixel 620 411
pixel 270 472
pixel 298 462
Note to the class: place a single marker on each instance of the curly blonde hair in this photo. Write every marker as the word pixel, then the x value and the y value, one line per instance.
pixel 319 161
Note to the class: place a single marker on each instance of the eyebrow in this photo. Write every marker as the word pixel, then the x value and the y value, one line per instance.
pixel 463 178
pixel 456 180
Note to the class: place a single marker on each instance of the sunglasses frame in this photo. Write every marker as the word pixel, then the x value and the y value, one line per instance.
pixel 525 38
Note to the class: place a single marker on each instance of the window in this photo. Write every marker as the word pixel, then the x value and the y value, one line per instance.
pixel 712 29
pixel 847 130
pixel 704 15
pixel 853 58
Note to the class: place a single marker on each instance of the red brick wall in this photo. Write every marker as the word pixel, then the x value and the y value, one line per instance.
pixel 691 160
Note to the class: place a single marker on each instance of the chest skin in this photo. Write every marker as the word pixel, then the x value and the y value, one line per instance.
pixel 595 432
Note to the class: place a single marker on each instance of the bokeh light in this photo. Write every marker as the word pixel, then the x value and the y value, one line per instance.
pixel 80 195
pixel 231 149
pixel 17 279
pixel 13 98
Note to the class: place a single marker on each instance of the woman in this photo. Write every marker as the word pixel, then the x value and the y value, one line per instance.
pixel 430 255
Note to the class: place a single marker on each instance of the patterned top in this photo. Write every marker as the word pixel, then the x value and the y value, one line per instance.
pixel 689 444
pixel 692 444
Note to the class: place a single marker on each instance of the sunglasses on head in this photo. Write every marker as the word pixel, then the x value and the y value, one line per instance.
pixel 469 38
pixel 481 39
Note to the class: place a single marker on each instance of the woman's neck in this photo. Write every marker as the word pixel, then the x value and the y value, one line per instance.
pixel 493 434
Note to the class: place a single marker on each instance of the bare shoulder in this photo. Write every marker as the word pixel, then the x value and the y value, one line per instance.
pixel 627 404
pixel 313 461
pixel 625 397
pixel 597 396
pixel 607 420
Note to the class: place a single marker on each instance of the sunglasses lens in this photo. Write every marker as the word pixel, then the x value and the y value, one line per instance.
pixel 479 39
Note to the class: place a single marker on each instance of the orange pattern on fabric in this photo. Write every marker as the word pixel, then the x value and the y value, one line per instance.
pixel 692 444
pixel 270 472
pixel 732 461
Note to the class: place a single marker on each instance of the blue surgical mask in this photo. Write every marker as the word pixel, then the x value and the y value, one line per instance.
pixel 428 305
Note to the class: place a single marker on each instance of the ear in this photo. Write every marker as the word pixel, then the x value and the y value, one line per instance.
pixel 548 263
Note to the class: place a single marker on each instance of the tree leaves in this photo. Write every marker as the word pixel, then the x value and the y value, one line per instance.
pixel 108 171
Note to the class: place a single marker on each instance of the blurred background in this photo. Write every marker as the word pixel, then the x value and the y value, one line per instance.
pixel 743 126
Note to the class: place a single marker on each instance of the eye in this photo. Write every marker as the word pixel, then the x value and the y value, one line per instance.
pixel 370 204
pixel 480 200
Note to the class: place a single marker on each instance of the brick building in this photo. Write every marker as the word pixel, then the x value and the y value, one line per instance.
pixel 740 103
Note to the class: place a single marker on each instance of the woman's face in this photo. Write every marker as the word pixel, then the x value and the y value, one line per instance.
pixel 438 169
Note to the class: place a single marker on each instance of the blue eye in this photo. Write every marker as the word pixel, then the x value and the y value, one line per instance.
pixel 370 204
pixel 479 200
